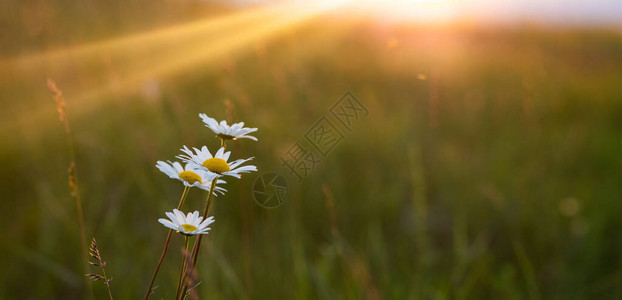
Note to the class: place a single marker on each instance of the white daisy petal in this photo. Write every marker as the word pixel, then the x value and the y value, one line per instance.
pixel 226 132
pixel 246 169
pixel 179 216
pixel 170 215
pixel 181 222
pixel 220 190
pixel 189 218
pixel 167 169
pixel 168 224
pixel 209 221
pixel 177 166
pixel 247 130
pixel 226 155
pixel 195 217
pixel 219 153
pixel 238 162
pixel 201 160
pixel 195 175
pixel 209 122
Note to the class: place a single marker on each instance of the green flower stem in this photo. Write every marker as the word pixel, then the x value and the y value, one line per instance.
pixel 197 243
pixel 183 197
pixel 166 244
pixel 183 270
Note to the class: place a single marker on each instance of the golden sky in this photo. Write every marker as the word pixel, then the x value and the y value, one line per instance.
pixel 547 11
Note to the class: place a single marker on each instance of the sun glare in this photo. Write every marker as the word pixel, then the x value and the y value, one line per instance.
pixel 133 60
pixel 128 63
pixel 417 11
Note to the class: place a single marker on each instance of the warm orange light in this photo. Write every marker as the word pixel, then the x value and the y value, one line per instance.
pixel 125 64
pixel 425 11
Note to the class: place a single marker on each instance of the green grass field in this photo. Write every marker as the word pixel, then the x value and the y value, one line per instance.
pixel 489 166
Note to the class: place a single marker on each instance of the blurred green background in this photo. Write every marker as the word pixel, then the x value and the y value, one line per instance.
pixel 489 166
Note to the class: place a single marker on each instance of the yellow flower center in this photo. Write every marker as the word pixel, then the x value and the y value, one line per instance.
pixel 190 177
pixel 188 227
pixel 216 165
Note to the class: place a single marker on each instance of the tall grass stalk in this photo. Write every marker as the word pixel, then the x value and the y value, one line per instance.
pixel 62 115
pixel 94 253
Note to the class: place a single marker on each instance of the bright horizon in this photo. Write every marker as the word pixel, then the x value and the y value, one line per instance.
pixel 579 12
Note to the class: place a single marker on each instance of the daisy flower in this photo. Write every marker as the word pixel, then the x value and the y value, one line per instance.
pixel 187 225
pixel 216 164
pixel 226 132
pixel 191 176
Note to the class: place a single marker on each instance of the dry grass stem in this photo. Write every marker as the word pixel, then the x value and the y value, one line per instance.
pixel 94 253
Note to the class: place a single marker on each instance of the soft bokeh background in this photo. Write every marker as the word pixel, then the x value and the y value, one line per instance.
pixel 489 165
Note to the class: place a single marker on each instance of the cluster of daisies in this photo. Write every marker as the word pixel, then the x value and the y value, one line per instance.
pixel 201 169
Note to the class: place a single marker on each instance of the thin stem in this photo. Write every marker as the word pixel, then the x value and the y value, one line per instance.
pixel 183 197
pixel 209 198
pixel 182 271
pixel 94 252
pixel 166 244
pixel 107 281
pixel 62 114
pixel 197 244
pixel 74 191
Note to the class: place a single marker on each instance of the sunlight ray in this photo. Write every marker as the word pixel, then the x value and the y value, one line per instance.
pixel 147 40
pixel 159 54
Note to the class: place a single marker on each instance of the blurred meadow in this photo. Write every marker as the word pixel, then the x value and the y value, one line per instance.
pixel 489 166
